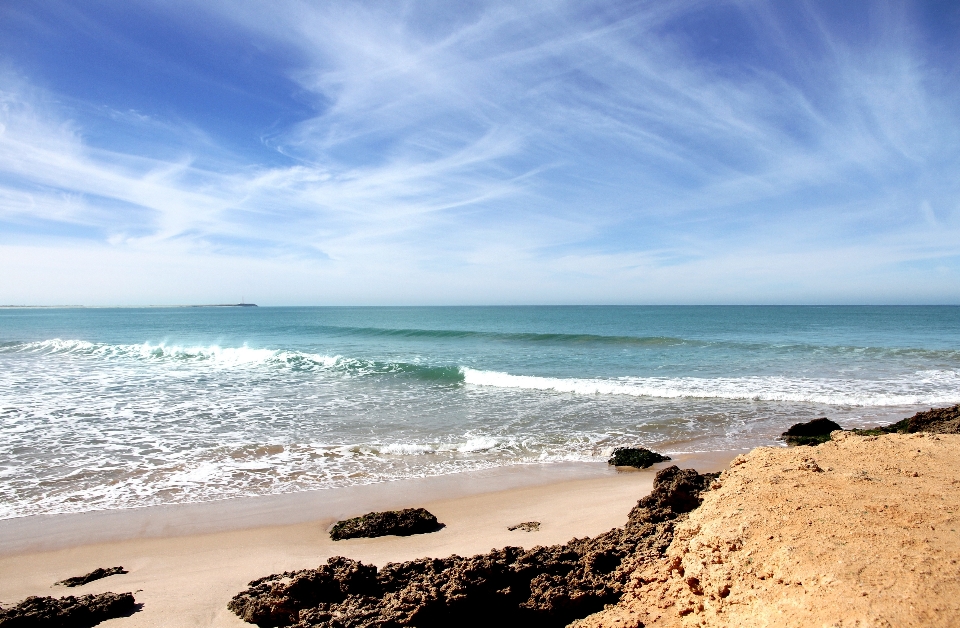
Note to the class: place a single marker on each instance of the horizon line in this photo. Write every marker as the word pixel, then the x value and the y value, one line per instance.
pixel 488 305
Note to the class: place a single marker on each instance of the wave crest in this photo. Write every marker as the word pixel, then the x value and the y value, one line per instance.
pixel 925 387
pixel 230 357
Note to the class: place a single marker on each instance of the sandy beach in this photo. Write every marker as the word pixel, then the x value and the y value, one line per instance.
pixel 186 562
pixel 858 531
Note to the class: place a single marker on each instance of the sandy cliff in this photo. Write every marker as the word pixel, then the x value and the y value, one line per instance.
pixel 859 531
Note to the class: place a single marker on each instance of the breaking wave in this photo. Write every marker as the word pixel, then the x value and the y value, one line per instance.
pixel 924 387
pixel 233 357
pixel 919 388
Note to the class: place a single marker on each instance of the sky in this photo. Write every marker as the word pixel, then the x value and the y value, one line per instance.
pixel 473 152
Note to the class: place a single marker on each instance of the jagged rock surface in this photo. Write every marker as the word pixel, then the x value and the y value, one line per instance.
pixel 635 457
pixel 96 574
pixel 934 421
pixel 399 522
pixel 810 433
pixel 544 586
pixel 67 612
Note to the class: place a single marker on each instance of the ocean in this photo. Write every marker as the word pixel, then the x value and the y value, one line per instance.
pixel 106 408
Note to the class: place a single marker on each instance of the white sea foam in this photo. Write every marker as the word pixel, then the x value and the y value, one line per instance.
pixel 927 387
pixel 924 387
pixel 95 425
pixel 407 449
pixel 482 443
pixel 472 444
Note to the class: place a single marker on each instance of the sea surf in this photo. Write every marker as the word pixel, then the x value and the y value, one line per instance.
pixel 122 407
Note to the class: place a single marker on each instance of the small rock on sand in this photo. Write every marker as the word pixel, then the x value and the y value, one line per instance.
pixel 637 457
pixel 96 574
pixel 397 522
pixel 526 526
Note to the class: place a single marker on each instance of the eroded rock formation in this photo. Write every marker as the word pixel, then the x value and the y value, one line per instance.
pixel 544 586
pixel 934 421
pixel 67 612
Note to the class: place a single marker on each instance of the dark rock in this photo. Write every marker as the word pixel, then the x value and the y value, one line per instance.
pixel 96 574
pixel 934 421
pixel 68 612
pixel 543 586
pixel 631 457
pixel 810 433
pixel 398 522
pixel 526 526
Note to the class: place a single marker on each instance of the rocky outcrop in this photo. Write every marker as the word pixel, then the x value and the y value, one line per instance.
pixel 544 586
pixel 526 526
pixel 810 433
pixel 67 612
pixel 398 522
pixel 934 421
pixel 635 457
pixel 96 574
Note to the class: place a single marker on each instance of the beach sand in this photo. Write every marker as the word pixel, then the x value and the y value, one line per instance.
pixel 859 531
pixel 186 562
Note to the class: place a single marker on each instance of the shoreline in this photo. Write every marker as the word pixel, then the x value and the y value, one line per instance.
pixel 186 576
pixel 46 532
pixel 861 528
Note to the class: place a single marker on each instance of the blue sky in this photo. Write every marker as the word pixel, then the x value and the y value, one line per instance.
pixel 479 152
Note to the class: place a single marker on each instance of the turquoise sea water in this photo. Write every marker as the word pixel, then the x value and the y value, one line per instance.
pixel 111 408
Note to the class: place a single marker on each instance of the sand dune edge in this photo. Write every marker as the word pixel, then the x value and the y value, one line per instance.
pixel 859 531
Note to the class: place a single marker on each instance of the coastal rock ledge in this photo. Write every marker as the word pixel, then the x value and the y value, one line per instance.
pixel 544 586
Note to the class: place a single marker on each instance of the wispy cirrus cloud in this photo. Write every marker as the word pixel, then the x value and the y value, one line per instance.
pixel 527 151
